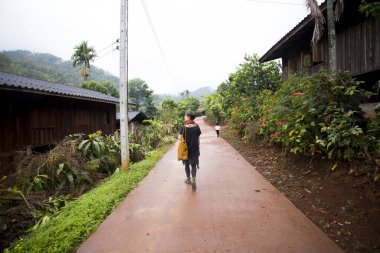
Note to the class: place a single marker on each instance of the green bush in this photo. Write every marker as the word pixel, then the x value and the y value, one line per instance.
pixel 79 218
pixel 315 114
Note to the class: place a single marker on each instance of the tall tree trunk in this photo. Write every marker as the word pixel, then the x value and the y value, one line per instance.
pixel 331 35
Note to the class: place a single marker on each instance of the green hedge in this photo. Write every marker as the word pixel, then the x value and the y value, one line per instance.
pixel 78 219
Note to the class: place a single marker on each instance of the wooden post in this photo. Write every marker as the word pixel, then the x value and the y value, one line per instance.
pixel 124 84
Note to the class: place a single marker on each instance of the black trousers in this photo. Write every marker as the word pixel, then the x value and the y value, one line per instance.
pixel 193 169
pixel 217 133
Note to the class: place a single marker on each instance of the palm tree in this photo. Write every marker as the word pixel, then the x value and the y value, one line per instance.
pixel 185 93
pixel 83 54
pixel 319 20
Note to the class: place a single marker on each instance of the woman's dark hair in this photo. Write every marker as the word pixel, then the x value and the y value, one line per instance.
pixel 190 114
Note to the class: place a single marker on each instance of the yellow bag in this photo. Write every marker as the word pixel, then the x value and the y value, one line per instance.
pixel 183 153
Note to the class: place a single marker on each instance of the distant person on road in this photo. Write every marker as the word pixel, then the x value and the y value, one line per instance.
pixel 192 134
pixel 217 129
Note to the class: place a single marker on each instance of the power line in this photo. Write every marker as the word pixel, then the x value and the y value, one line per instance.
pixel 274 2
pixel 117 41
pixel 99 57
pixel 71 71
pixel 156 38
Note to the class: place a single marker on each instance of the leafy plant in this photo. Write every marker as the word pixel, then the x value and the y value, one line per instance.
pixel 39 183
pixel 94 146
pixel 136 152
pixel 44 213
pixel 153 132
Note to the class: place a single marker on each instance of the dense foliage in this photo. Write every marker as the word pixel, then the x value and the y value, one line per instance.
pixel 102 87
pixel 370 8
pixel 317 114
pixel 48 67
pixel 79 218
pixel 142 96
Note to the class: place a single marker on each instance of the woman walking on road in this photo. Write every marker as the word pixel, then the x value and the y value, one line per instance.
pixel 192 133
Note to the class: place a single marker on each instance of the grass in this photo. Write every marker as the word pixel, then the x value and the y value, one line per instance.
pixel 79 218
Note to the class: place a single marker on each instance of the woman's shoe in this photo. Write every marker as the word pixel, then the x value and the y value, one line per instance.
pixel 193 184
pixel 188 181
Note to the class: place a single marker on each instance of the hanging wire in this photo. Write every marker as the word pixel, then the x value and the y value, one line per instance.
pixel 72 71
pixel 157 40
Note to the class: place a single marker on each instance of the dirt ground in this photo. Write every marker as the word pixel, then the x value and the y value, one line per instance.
pixel 345 207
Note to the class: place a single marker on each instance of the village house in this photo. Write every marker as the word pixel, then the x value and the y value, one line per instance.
pixel 358 47
pixel 36 114
pixel 135 120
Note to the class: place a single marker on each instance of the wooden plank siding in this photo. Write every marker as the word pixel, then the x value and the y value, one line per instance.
pixel 35 120
pixel 358 51
pixel 358 47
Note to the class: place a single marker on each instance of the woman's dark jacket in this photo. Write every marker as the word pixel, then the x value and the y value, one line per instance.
pixel 192 140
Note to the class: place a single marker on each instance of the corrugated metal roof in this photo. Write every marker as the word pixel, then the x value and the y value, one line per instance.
pixel 132 115
pixel 34 85
pixel 271 53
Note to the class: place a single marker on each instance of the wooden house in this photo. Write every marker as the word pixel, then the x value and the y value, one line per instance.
pixel 358 46
pixel 36 113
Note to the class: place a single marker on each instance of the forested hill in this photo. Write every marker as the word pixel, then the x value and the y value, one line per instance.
pixel 48 67
pixel 198 93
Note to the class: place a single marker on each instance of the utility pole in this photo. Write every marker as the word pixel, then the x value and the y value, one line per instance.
pixel 124 84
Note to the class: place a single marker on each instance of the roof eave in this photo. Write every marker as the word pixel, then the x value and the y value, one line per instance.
pixel 13 88
pixel 268 56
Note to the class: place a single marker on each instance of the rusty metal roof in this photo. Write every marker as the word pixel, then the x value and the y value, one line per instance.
pixel 17 82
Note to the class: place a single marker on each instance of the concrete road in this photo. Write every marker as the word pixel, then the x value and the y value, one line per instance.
pixel 233 210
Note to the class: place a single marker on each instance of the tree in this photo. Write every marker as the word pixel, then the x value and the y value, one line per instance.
pixel 191 103
pixel 170 115
pixel 185 94
pixel 332 16
pixel 103 87
pixel 139 93
pixel 151 109
pixel 212 104
pixel 83 54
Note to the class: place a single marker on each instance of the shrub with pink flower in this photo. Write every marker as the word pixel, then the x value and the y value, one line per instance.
pixel 280 123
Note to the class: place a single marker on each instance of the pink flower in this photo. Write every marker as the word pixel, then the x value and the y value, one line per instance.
pixel 297 94
pixel 262 124
pixel 275 134
pixel 280 123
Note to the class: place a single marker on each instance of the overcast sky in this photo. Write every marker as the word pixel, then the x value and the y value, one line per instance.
pixel 203 40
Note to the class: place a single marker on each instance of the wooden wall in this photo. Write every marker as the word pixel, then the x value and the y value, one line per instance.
pixel 35 120
pixel 358 49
